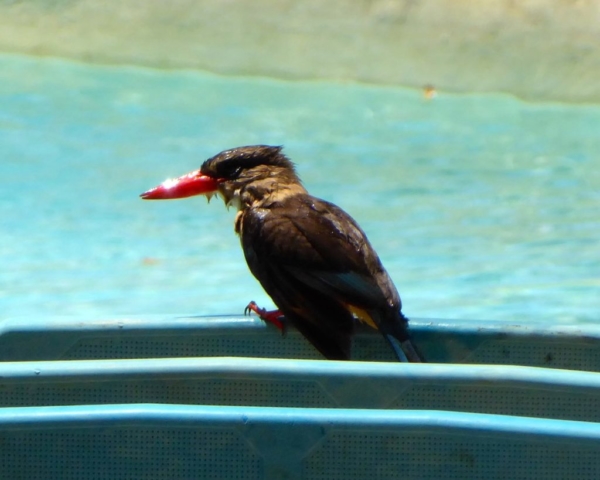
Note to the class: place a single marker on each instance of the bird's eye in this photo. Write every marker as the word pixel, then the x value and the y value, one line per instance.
pixel 230 171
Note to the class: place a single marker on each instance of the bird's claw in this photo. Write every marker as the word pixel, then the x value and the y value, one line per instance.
pixel 251 307
pixel 274 317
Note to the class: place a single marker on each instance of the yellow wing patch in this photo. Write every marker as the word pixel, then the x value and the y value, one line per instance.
pixel 362 316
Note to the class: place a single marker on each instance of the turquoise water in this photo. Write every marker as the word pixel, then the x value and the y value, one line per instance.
pixel 481 207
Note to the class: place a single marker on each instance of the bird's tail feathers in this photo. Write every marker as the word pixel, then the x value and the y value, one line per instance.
pixel 404 350
pixel 411 352
pixel 395 331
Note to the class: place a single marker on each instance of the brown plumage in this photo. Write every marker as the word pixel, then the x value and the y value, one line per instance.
pixel 309 255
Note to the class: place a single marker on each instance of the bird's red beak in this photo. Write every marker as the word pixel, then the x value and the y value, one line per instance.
pixel 193 183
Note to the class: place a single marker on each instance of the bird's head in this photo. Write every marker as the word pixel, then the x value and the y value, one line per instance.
pixel 241 175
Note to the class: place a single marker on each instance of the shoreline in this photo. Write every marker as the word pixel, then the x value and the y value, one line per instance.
pixel 536 50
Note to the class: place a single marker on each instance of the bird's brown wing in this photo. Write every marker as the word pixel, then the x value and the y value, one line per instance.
pixel 317 265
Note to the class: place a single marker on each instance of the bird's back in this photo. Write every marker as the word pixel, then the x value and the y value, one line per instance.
pixel 321 271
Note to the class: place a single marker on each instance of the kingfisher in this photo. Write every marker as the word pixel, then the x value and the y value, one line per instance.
pixel 309 255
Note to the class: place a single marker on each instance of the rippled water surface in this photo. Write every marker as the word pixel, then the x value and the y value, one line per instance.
pixel 481 207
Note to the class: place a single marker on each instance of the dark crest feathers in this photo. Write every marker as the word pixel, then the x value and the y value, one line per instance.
pixel 230 162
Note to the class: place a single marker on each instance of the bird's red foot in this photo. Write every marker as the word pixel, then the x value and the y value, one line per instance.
pixel 274 316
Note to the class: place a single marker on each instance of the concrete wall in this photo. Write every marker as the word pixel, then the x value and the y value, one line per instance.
pixel 536 49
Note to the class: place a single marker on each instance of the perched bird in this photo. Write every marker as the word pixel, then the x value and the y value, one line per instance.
pixel 309 255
